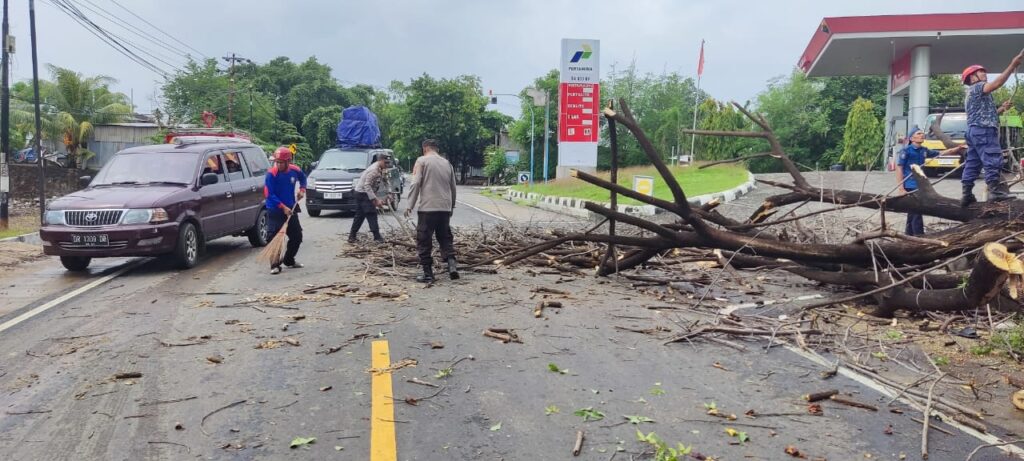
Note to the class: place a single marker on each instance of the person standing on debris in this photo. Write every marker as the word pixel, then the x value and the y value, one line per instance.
pixel 367 201
pixel 279 190
pixel 432 194
pixel 915 154
pixel 983 150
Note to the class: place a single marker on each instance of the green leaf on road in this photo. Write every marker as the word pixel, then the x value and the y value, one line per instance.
pixel 634 419
pixel 555 369
pixel 496 427
pixel 302 441
pixel 657 391
pixel 550 410
pixel 589 414
pixel 443 373
pixel 338 448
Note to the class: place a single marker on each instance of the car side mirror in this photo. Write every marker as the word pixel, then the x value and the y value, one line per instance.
pixel 84 181
pixel 312 166
pixel 208 178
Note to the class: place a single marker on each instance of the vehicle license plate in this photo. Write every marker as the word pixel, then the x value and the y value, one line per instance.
pixel 91 240
pixel 947 161
pixel 333 195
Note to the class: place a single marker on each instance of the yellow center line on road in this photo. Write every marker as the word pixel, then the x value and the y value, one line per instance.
pixel 382 406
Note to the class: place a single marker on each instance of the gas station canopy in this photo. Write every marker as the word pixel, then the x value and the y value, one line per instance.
pixel 911 48
pixel 867 45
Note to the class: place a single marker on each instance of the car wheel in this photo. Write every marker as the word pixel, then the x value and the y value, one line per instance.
pixel 313 212
pixel 75 263
pixel 187 251
pixel 258 233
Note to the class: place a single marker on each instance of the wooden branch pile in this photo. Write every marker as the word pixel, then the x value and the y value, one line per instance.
pixel 914 277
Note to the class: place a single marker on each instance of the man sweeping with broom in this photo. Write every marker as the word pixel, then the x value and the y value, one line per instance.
pixel 282 210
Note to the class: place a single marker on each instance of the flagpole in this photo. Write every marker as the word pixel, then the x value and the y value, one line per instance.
pixel 696 108
pixel 696 105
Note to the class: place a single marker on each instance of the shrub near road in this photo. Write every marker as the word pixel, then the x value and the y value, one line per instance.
pixel 693 180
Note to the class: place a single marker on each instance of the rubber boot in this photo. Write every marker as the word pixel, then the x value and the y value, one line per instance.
pixel 968 196
pixel 453 268
pixel 427 276
pixel 998 192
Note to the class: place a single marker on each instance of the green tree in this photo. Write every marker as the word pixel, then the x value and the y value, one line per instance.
pixel 663 106
pixel 319 127
pixel 792 106
pixel 496 165
pixel 449 110
pixel 520 129
pixel 72 104
pixel 287 135
pixel 862 140
pixel 945 91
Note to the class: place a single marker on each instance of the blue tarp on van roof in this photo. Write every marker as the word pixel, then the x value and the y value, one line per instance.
pixel 358 128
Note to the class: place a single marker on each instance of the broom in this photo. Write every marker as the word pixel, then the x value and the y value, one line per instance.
pixel 273 252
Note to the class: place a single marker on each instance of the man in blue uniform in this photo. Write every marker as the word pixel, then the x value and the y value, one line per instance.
pixel 279 189
pixel 983 131
pixel 915 154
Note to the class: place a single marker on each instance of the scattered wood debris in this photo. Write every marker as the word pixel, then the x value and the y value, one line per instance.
pixel 393 367
pixel 539 310
pixel 503 334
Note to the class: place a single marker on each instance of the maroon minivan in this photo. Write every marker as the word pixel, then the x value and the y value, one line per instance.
pixel 167 199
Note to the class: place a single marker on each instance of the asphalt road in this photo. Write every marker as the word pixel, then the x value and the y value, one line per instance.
pixel 236 363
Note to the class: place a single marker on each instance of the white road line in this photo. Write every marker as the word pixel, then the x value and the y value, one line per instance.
pixel 502 218
pixel 882 389
pixel 56 302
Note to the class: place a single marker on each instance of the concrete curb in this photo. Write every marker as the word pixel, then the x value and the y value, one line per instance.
pixel 574 206
pixel 31 238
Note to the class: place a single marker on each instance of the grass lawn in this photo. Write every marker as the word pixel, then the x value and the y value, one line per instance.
pixel 18 225
pixel 694 182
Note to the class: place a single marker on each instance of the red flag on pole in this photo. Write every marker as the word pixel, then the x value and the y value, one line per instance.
pixel 700 63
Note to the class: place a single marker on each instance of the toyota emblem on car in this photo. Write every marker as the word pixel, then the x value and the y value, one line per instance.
pixel 92 217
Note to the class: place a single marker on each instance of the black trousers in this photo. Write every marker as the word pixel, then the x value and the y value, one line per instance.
pixel 294 233
pixel 430 224
pixel 365 211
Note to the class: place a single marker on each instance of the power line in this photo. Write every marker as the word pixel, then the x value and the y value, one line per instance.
pixel 158 29
pixel 116 20
pixel 105 36
pixel 119 39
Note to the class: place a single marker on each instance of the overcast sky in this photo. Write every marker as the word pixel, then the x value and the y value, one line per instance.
pixel 506 43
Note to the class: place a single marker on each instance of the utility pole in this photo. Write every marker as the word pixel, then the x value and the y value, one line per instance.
pixel 231 92
pixel 547 115
pixel 250 111
pixel 39 123
pixel 5 124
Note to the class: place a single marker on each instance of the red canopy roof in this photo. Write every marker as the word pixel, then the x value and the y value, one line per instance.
pixel 866 45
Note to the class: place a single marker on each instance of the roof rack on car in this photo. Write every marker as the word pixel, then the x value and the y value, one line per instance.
pixel 206 135
pixel 186 140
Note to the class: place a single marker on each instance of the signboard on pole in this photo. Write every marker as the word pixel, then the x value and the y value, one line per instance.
pixel 5 174
pixel 579 105
pixel 524 177
pixel 644 184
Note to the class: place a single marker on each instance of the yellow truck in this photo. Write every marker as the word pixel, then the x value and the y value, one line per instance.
pixel 954 124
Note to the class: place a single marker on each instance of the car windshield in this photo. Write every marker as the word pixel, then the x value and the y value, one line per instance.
pixel 349 160
pixel 148 168
pixel 954 125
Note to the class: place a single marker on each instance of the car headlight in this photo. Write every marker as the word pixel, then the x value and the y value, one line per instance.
pixel 143 216
pixel 311 184
pixel 54 217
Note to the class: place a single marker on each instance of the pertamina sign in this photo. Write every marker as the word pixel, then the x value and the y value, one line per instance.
pixel 579 100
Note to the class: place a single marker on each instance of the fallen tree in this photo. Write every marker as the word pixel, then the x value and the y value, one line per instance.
pixel 989 229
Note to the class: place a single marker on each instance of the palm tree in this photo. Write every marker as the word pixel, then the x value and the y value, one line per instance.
pixel 71 104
